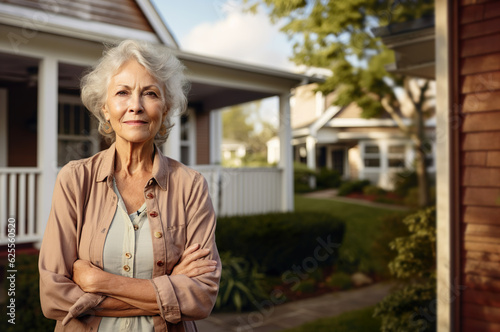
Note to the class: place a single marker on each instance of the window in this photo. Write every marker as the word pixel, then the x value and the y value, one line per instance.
pixel 396 156
pixel 77 131
pixel 372 156
pixel 188 132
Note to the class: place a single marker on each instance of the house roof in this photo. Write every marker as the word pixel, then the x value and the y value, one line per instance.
pixel 102 21
pixel 414 45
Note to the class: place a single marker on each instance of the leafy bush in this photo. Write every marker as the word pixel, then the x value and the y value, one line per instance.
pixel 327 178
pixel 241 284
pixel 412 307
pixel 278 241
pixel 301 175
pixel 352 186
pixel 404 181
pixel 29 316
pixel 339 280
pixel 373 190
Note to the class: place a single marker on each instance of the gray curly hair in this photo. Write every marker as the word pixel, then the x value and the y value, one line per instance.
pixel 158 61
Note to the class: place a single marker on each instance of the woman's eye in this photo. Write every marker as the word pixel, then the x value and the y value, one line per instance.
pixel 121 93
pixel 151 93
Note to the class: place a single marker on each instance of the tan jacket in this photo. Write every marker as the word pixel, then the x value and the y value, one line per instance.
pixel 180 214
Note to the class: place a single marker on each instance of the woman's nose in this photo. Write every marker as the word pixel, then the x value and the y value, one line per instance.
pixel 135 105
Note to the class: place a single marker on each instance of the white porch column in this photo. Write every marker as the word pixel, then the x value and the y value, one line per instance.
pixel 286 162
pixel 311 158
pixel 3 128
pixel 215 137
pixel 172 147
pixel 46 138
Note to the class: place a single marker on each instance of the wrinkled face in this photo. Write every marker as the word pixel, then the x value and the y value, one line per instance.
pixel 134 104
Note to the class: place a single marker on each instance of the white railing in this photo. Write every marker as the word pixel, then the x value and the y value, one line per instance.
pixel 18 189
pixel 243 191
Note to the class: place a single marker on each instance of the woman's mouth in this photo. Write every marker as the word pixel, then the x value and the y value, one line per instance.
pixel 135 122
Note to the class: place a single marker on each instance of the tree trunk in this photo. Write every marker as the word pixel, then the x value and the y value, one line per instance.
pixel 421 167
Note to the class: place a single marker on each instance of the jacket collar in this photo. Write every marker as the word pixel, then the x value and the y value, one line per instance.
pixel 160 171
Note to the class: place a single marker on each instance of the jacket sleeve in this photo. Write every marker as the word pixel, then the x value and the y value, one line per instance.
pixel 58 292
pixel 180 297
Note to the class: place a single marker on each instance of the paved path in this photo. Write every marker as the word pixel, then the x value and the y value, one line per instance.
pixel 280 317
pixel 332 194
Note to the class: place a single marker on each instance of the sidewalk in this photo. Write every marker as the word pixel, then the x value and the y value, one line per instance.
pixel 276 318
pixel 332 194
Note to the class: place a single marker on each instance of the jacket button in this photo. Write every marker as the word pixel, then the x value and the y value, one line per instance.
pixel 150 195
pixel 158 235
pixel 136 227
pixel 153 214
pixel 126 268
pixel 128 255
pixel 160 263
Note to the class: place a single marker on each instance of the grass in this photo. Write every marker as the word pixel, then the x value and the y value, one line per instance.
pixel 358 320
pixel 364 232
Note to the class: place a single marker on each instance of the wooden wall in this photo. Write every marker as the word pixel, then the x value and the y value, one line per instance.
pixel 118 12
pixel 477 119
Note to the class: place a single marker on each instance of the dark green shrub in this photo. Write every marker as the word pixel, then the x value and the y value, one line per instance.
pixel 352 186
pixel 278 241
pixel 412 307
pixel 404 181
pixel 241 284
pixel 373 190
pixel 339 280
pixel 301 175
pixel 29 316
pixel 327 178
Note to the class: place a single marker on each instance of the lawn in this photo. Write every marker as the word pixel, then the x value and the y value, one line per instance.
pixel 365 244
pixel 358 320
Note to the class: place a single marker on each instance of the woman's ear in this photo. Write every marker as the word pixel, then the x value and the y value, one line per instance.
pixel 105 112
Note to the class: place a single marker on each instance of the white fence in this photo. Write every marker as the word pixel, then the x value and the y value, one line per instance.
pixel 234 191
pixel 243 191
pixel 18 189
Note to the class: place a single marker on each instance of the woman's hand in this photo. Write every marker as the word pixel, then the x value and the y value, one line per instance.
pixel 191 263
pixel 87 276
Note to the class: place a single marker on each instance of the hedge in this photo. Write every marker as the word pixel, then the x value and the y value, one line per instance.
pixel 280 241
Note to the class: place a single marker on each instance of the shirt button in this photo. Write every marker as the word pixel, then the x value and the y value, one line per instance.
pixel 158 235
pixel 126 268
pixel 154 214
pixel 128 255
pixel 160 263
pixel 150 195
pixel 150 182
pixel 136 227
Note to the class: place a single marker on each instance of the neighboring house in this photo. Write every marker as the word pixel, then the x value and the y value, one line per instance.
pixel 233 152
pixel 340 139
pixel 465 52
pixel 45 48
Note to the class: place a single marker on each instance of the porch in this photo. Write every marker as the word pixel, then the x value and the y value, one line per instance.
pixel 43 126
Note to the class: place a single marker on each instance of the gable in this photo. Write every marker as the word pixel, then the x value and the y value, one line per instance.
pixel 124 13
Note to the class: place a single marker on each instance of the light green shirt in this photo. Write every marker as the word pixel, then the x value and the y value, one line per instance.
pixel 128 251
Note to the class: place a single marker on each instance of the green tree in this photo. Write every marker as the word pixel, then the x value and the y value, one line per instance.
pixel 337 35
pixel 235 124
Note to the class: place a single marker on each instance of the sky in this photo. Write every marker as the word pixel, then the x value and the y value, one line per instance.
pixel 221 29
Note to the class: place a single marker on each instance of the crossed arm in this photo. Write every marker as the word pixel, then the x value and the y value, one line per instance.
pixel 131 296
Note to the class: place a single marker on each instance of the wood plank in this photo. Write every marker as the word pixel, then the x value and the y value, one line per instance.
pixel 483 247
pixel 481 176
pixel 482 239
pixel 474 158
pixel 484 121
pixel 471 2
pixel 487 269
pixel 486 298
pixel 480 28
pixel 470 324
pixel 481 101
pixel 491 9
pixel 472 14
pixel 481 141
pixel 493 159
pixel 481 312
pixel 474 281
pixel 482 256
pixel 483 82
pixel 480 64
pixel 482 215
pixel 480 45
pixel 482 230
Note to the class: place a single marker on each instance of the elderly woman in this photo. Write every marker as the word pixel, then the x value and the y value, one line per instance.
pixel 130 244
